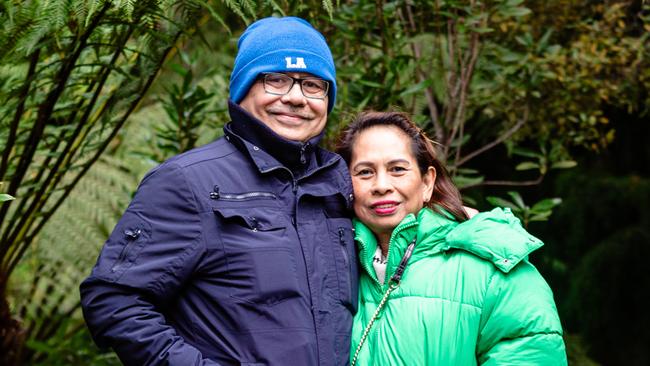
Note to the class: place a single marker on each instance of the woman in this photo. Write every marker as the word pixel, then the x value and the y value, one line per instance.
pixel 438 288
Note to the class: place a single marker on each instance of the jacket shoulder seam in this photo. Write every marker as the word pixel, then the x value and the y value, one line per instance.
pixel 192 247
pixel 208 159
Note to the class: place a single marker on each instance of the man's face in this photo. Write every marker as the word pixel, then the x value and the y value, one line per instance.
pixel 292 116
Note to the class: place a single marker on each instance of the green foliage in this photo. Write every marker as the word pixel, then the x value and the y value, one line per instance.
pixel 576 352
pixel 6 197
pixel 600 237
pixel 543 160
pixel 540 211
pixel 45 286
pixel 535 76
pixel 77 349
pixel 612 314
pixel 74 73
pixel 183 114
pixel 593 58
pixel 186 106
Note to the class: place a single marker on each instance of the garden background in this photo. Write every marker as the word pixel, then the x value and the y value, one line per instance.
pixel 541 106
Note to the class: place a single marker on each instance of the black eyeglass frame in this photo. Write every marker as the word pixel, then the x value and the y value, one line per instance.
pixel 263 76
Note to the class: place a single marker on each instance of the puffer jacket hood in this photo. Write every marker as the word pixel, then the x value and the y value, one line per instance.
pixel 508 242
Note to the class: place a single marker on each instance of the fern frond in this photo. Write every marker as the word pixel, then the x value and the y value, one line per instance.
pixel 249 6
pixel 216 16
pixel 237 9
pixel 16 26
pixel 47 23
pixel 79 11
pixel 329 7
pixel 275 6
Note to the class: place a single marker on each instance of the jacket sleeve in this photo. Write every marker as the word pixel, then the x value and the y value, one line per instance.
pixel 520 324
pixel 149 255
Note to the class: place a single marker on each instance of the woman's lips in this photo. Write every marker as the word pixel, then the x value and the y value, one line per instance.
pixel 384 207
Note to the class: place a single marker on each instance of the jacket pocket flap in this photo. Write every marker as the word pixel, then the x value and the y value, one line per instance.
pixel 335 206
pixel 252 217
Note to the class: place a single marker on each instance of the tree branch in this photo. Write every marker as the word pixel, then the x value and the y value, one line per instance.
pixel 431 103
pixel 379 13
pixel 11 139
pixel 466 72
pixel 451 76
pixel 510 183
pixel 497 141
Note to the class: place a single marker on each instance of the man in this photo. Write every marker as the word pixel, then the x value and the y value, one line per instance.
pixel 240 252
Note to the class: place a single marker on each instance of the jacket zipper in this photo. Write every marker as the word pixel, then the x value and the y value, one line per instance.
pixel 344 247
pixel 246 196
pixel 391 242
pixel 217 195
pixel 346 259
pixel 303 151
pixel 131 237
pixel 371 269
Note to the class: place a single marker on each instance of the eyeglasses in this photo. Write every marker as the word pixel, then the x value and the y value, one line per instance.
pixel 280 84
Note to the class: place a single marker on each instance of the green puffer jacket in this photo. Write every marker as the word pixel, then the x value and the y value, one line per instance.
pixel 468 296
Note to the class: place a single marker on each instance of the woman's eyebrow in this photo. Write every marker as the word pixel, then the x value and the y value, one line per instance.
pixel 395 161
pixel 362 163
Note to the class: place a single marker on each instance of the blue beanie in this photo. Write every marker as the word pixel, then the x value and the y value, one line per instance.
pixel 286 44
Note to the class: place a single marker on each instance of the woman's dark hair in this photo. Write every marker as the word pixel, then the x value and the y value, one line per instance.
pixel 445 194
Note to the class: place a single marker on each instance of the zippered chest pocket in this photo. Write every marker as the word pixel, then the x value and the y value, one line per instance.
pixel 345 259
pixel 259 252
pixel 217 194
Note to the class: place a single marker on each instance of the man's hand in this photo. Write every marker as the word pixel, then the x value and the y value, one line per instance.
pixel 470 211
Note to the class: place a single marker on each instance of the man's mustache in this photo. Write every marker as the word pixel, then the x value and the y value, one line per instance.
pixel 293 111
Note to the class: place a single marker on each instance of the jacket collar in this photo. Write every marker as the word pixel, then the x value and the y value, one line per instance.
pixel 496 236
pixel 267 149
pixel 429 227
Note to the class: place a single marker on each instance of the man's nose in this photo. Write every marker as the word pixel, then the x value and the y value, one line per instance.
pixel 294 96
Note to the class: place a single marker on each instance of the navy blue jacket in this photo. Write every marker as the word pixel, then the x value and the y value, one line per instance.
pixel 239 252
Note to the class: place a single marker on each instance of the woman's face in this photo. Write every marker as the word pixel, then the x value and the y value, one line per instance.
pixel 388 184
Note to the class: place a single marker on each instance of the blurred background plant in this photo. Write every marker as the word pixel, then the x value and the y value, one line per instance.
pixel 72 73
pixel 535 106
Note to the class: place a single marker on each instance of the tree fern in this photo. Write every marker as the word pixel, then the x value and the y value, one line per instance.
pixel 74 85
pixel 64 252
